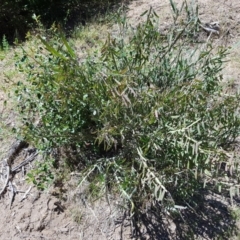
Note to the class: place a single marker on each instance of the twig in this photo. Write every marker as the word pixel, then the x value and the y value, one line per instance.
pixel 209 30
pixel 13 191
pixel 209 36
pixel 25 162
pixel 26 193
pixel 23 171
pixel 19 229
pixel 16 147
pixel 7 180
pixel 1 171
pixel 66 225
pixel 211 27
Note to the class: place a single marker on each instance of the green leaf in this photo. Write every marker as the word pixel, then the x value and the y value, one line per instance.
pixel 70 50
pixel 208 173
pixel 53 51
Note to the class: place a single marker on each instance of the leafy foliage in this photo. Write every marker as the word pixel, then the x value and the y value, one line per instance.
pixel 4 47
pixel 149 107
pixel 42 175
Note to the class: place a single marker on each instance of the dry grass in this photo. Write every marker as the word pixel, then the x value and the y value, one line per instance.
pixel 88 39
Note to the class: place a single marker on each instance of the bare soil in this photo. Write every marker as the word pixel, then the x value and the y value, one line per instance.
pixel 64 211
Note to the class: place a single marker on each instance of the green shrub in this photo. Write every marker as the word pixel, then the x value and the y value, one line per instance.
pixel 147 111
pixel 4 47
pixel 42 176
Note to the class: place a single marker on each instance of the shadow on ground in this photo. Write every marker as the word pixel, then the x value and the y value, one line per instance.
pixel 17 17
pixel 211 219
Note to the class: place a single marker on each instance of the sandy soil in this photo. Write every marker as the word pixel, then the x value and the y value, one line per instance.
pixel 64 212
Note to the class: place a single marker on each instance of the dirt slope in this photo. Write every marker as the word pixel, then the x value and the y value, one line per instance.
pixel 63 212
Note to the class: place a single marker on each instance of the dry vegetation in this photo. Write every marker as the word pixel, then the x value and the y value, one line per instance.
pixel 68 210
